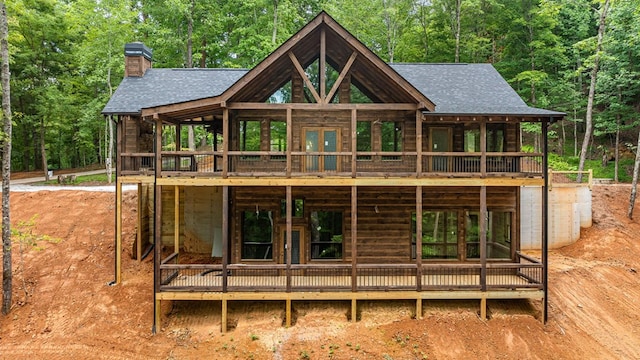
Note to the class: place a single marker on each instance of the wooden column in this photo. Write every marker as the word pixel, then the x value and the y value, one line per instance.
pixel 178 142
pixel 223 325
pixel 157 239
pixel 545 219
pixel 289 141
pixel 354 239
pixel 139 227
pixel 119 233
pixel 119 143
pixel 418 142
pixel 225 142
pixel 354 142
pixel 158 144
pixel 225 236
pixel 418 238
pixel 483 237
pixel 289 211
pixel 176 219
pixel 483 148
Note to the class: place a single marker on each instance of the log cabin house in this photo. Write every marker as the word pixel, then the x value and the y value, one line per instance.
pixel 324 173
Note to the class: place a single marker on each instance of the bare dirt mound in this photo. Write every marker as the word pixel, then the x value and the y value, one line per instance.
pixel 69 310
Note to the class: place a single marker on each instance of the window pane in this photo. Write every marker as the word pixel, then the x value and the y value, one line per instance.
pixel 326 234
pixel 498 235
pixel 250 136
pixel 257 239
pixel 297 210
pixel 391 136
pixel 439 234
pixel 278 136
pixel 472 140
pixel 363 131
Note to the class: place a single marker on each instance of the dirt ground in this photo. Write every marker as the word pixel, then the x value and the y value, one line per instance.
pixel 69 311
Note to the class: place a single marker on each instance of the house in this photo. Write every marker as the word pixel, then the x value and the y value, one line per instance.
pixel 324 173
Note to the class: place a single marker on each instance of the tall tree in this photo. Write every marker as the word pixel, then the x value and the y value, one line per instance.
pixel 6 162
pixel 592 90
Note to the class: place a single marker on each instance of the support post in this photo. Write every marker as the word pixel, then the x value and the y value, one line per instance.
pixel 119 233
pixel 483 148
pixel 354 310
pixel 157 315
pixel 354 142
pixel 419 308
pixel 225 142
pixel 139 227
pixel 483 308
pixel 176 219
pixel 418 238
pixel 418 143
pixel 225 236
pixel 289 141
pixel 483 237
pixel 289 199
pixel 223 324
pixel 545 219
pixel 287 315
pixel 354 239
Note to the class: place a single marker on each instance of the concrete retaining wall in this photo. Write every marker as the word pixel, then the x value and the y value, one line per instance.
pixel 569 210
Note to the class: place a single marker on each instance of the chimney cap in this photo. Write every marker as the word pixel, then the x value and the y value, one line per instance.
pixel 138 49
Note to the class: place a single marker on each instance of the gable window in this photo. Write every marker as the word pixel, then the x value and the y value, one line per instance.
pixel 326 234
pixel 363 139
pixel 257 235
pixel 439 235
pixel 391 138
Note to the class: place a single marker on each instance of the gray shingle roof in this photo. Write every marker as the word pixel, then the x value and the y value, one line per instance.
pixel 169 86
pixel 467 89
pixel 454 88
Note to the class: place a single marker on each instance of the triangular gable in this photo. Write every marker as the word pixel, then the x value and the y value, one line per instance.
pixel 324 39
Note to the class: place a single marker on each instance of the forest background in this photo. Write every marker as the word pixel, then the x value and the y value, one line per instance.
pixel 67 59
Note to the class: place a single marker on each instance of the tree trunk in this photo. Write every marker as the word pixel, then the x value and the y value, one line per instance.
pixel 617 150
pixel 274 35
pixel 190 36
pixel 458 10
pixel 634 183
pixel 592 90
pixel 7 272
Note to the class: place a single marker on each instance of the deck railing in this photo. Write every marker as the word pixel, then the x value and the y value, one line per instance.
pixel 346 164
pixel 524 274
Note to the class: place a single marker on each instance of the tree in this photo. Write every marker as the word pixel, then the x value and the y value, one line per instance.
pixel 634 183
pixel 6 162
pixel 592 90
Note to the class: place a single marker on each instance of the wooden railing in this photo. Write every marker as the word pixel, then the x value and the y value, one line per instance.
pixel 524 274
pixel 347 164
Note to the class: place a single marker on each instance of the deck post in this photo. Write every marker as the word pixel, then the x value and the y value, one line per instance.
pixel 287 313
pixel 483 238
pixel 176 219
pixel 483 308
pixel 545 226
pixel 225 142
pixel 139 223
pixel 157 315
pixel 225 236
pixel 483 149
pixel 419 143
pixel 354 310
pixel 354 239
pixel 418 238
pixel 289 141
pixel 354 142
pixel 288 237
pixel 119 233
pixel 419 308
pixel 223 324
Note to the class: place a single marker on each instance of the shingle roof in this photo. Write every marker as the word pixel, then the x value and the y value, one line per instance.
pixel 463 89
pixel 467 89
pixel 169 86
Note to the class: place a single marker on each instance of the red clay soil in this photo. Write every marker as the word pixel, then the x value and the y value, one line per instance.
pixel 69 311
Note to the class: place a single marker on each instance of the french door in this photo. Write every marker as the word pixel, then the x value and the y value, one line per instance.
pixel 322 140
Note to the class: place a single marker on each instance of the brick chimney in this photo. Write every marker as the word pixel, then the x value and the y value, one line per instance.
pixel 137 59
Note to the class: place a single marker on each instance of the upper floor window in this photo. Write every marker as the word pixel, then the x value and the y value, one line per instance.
pixel 495 138
pixel 326 234
pixel 391 138
pixel 363 139
pixel 249 135
pixel 498 232
pixel 439 235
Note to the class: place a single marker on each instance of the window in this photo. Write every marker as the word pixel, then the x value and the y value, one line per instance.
pixel 439 235
pixel 498 235
pixel 326 234
pixel 278 139
pixel 257 235
pixel 363 139
pixel 250 138
pixel 391 140
pixel 495 138
pixel 297 210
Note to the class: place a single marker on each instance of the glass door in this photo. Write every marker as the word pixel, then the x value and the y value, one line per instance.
pixel 440 141
pixel 297 246
pixel 323 141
